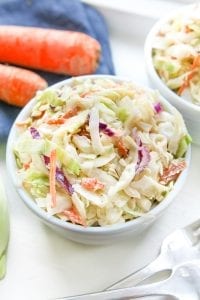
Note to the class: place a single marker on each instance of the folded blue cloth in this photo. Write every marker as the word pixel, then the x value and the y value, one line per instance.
pixel 59 14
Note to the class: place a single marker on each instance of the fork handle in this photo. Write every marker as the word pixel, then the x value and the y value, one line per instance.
pixel 133 279
pixel 126 294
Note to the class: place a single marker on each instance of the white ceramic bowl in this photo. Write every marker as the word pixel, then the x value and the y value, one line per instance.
pixel 189 111
pixel 89 235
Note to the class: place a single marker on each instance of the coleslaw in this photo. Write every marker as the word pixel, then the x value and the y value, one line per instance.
pixel 98 151
pixel 176 54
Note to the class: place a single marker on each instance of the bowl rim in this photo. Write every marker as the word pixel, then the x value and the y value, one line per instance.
pixel 149 61
pixel 52 220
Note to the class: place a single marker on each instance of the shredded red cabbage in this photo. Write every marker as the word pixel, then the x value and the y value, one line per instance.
pixel 46 161
pixel 105 129
pixel 143 159
pixel 63 181
pixel 143 154
pixel 35 134
pixel 158 108
pixel 60 177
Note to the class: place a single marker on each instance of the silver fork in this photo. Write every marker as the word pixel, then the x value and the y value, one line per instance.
pixel 184 284
pixel 180 246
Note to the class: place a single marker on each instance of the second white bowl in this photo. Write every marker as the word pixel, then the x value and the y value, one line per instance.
pixel 190 111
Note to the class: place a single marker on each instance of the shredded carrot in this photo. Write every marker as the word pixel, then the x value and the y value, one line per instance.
pixel 172 172
pixel 52 177
pixel 122 150
pixel 187 29
pixel 194 66
pixel 92 184
pixel 26 165
pixel 196 62
pixel 186 83
pixel 85 94
pixel 74 217
pixel 71 112
pixel 56 121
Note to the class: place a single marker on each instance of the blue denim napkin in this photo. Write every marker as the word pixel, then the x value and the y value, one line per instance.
pixel 59 14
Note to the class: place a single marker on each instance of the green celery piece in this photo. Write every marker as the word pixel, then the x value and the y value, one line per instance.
pixel 37 183
pixel 51 97
pixel 183 145
pixel 123 114
pixel 4 230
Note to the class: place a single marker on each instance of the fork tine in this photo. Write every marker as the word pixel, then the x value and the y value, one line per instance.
pixel 194 226
pixel 197 246
pixel 197 232
pixel 193 231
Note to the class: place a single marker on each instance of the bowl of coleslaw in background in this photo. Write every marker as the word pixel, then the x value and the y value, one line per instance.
pixel 172 56
pixel 98 158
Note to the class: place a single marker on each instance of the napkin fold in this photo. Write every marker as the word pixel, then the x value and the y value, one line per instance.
pixel 60 14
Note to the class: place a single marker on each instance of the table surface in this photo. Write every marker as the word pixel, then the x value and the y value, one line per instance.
pixel 42 265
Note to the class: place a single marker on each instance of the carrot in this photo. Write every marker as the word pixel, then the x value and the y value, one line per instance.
pixel 52 177
pixel 186 83
pixel 71 112
pixel 74 217
pixel 26 165
pixel 57 51
pixel 195 65
pixel 92 184
pixel 187 29
pixel 122 150
pixel 172 172
pixel 196 62
pixel 56 121
pixel 18 86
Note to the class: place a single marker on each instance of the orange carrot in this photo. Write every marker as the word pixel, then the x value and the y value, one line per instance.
pixel 172 172
pixel 71 112
pixel 57 51
pixel 187 29
pixel 26 165
pixel 56 121
pixel 195 65
pixel 18 86
pixel 122 150
pixel 92 184
pixel 196 62
pixel 74 217
pixel 186 83
pixel 52 177
pixel 85 94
